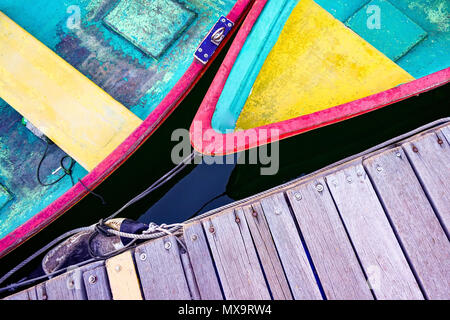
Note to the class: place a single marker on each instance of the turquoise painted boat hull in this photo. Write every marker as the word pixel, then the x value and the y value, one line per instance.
pixel 146 64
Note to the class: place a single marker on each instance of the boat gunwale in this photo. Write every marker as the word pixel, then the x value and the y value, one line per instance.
pixel 114 160
pixel 227 143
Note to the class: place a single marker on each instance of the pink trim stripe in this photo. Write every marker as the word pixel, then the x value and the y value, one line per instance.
pixel 124 151
pixel 206 140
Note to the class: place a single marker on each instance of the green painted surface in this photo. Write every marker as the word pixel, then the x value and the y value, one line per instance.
pixel 391 32
pixel 151 25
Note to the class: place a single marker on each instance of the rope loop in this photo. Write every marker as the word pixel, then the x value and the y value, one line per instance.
pixel 68 170
pixel 102 228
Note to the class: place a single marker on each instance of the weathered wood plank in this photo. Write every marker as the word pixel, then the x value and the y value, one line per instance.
pixel 87 282
pixel 68 286
pixel 429 155
pixel 76 285
pixel 189 274
pixel 201 262
pixel 28 294
pixel 161 271
pixel 413 219
pixel 235 257
pixel 331 251
pixel 267 252
pixel 96 282
pixel 372 236
pixel 290 249
pixel 446 132
pixel 22 295
pixel 122 276
pixel 41 292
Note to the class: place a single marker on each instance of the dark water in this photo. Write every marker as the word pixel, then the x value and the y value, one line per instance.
pixel 200 188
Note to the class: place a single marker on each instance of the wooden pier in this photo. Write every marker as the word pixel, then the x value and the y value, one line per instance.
pixel 373 227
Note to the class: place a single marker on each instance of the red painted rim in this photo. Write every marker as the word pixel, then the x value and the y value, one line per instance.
pixel 123 151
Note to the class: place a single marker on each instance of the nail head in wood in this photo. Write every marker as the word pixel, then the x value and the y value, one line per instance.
pixel 71 284
pixel 92 279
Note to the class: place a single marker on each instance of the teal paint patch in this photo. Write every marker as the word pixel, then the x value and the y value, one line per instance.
pixel 386 28
pixel 433 16
pixel 430 56
pixel 342 9
pixel 245 70
pixel 151 25
pixel 30 15
pixel 5 196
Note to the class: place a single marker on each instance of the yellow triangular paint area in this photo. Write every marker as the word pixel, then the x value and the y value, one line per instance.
pixel 82 119
pixel 317 63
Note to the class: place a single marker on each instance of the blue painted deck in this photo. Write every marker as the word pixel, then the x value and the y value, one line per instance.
pixel 90 35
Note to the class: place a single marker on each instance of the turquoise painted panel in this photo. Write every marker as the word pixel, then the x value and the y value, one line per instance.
pixel 432 54
pixel 342 9
pixel 261 40
pixel 151 25
pixel 427 56
pixel 432 15
pixel 5 196
pixel 386 28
